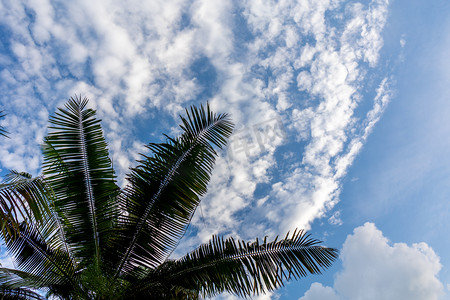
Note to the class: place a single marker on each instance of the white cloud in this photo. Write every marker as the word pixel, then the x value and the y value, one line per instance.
pixel 375 269
pixel 93 51
pixel 319 292
pixel 6 261
pixel 267 296
pixel 402 42
pixel 284 61
pixel 335 219
pixel 332 72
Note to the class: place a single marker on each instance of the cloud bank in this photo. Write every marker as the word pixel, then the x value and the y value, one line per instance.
pixel 375 269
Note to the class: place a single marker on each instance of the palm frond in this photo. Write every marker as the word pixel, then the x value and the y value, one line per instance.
pixel 23 198
pixel 77 166
pixel 165 189
pixel 13 279
pixel 30 200
pixel 19 294
pixel 3 132
pixel 43 264
pixel 32 233
pixel 16 284
pixel 242 268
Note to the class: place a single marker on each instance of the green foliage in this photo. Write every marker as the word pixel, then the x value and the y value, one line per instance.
pixel 75 234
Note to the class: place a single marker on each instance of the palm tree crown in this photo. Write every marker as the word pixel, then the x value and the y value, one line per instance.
pixel 76 235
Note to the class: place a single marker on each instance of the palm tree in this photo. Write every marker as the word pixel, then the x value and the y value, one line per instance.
pixel 76 235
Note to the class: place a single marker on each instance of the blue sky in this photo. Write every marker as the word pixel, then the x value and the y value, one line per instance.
pixel 341 111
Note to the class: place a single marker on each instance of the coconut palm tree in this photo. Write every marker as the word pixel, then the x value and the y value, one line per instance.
pixel 75 234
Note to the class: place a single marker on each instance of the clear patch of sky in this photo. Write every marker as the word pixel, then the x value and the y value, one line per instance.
pixel 242 34
pixel 206 77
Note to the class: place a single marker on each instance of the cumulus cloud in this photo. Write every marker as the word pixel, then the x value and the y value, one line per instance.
pixel 319 292
pixel 374 268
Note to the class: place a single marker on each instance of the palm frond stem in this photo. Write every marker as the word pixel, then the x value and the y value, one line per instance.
pixel 162 186
pixel 244 256
pixel 88 183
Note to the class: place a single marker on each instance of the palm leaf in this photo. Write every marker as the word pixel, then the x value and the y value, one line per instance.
pixel 23 198
pixel 19 294
pixel 32 233
pixel 27 199
pixel 44 264
pixel 3 132
pixel 13 279
pixel 165 190
pixel 15 284
pixel 242 268
pixel 77 166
